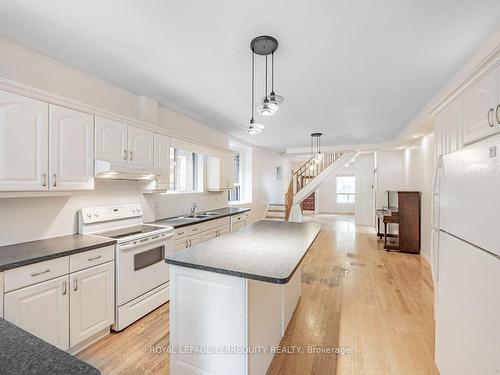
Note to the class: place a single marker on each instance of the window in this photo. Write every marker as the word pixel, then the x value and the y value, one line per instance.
pixel 186 171
pixel 242 166
pixel 234 195
pixel 346 187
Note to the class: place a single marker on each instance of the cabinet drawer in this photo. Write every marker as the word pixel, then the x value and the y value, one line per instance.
pixel 91 258
pixel 35 273
pixel 237 218
pixel 186 231
pixel 212 224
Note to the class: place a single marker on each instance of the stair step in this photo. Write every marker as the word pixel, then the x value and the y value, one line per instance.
pixel 274 218
pixel 275 214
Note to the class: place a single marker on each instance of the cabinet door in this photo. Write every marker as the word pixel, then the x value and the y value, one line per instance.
pixel 42 309
pixel 71 149
pixel 229 167
pixel 23 143
pixel 162 160
pixel 111 140
pixel 194 240
pixel 223 230
pixel 92 302
pixel 140 147
pixel 181 243
pixel 479 103
pixel 208 235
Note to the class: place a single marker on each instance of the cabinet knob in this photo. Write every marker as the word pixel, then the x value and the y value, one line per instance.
pixel 497 115
pixel 54 183
pixel 44 179
pixel 125 153
pixel 75 284
pixel 64 287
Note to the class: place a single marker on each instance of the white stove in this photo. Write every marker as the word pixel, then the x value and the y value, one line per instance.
pixel 141 274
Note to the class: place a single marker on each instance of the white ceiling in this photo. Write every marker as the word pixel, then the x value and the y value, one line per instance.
pixel 356 70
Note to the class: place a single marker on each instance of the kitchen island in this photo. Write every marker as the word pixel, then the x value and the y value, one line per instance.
pixel 232 298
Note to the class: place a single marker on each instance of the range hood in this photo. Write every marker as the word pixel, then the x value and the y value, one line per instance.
pixel 106 170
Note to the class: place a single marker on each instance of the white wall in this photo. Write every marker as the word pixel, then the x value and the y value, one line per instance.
pixel 25 219
pixel 364 207
pixel 389 166
pixel 326 194
pixel 418 171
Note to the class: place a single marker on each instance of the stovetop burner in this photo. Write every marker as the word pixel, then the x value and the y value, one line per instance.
pixel 129 231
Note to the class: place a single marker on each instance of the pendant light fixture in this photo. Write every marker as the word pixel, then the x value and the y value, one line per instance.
pixel 253 128
pixel 264 46
pixel 316 147
pixel 274 100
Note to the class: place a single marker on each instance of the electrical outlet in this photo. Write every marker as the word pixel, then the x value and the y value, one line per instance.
pixel 493 151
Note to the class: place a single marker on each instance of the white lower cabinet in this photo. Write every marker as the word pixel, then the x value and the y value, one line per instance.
pixel 68 308
pixel 91 302
pixel 42 309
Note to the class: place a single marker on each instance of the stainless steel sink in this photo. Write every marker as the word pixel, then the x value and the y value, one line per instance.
pixel 208 213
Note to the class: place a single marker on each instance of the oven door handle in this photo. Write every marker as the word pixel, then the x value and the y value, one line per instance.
pixel 137 243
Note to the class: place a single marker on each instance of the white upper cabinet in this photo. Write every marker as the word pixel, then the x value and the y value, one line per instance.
pixel 92 302
pixel 449 129
pixel 119 143
pixel 220 175
pixel 480 103
pixel 71 149
pixel 42 309
pixel 111 142
pixel 140 147
pixel 23 143
pixel 162 160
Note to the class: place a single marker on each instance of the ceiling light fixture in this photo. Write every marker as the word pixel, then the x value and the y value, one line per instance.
pixel 264 46
pixel 316 147
pixel 252 127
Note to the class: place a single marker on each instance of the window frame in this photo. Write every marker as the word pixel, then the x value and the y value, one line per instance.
pixel 197 173
pixel 348 195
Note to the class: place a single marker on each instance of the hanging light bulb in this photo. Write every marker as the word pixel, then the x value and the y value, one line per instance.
pixel 274 100
pixel 253 128
pixel 265 108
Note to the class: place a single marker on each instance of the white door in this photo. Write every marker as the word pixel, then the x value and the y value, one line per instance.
pixel 92 302
pixel 467 310
pixel 23 143
pixel 162 159
pixel 479 103
pixel 71 149
pixel 140 147
pixel 42 309
pixel 111 140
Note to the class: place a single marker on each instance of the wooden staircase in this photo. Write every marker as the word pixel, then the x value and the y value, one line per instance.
pixel 304 175
pixel 276 212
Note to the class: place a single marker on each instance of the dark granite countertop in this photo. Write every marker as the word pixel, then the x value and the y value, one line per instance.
pixel 21 254
pixel 178 222
pixel 22 353
pixel 267 251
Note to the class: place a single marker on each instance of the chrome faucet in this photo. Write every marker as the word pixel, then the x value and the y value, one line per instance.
pixel 193 208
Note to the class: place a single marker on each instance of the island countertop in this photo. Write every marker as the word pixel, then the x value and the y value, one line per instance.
pixel 267 251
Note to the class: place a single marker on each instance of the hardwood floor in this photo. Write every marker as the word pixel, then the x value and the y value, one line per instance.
pixel 376 306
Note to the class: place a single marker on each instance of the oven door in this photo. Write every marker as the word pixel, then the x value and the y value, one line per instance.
pixel 141 267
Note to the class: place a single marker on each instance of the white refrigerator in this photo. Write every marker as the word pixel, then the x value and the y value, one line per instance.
pixel 466 260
